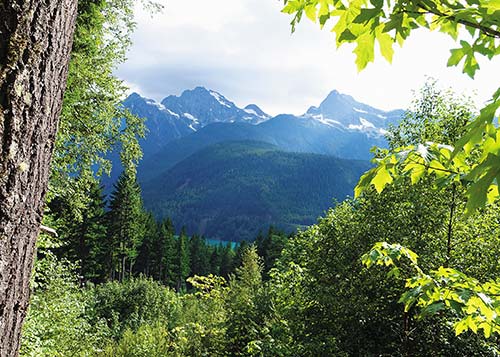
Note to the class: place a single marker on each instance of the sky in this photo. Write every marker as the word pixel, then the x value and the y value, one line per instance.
pixel 244 50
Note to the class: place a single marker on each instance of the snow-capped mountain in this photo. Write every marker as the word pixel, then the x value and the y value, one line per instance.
pixel 344 112
pixel 202 107
pixel 178 116
pixel 179 126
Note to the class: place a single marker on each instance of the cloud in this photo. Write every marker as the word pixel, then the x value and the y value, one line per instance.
pixel 244 50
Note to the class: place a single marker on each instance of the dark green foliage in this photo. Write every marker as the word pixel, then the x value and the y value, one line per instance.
pixel 199 257
pixel 269 247
pixel 149 252
pixel 181 262
pixel 126 222
pixel 83 239
pixel 226 260
pixel 230 191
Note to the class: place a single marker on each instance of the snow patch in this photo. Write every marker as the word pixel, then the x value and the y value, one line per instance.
pixel 251 111
pixel 172 113
pixel 219 98
pixel 360 110
pixel 191 117
pixel 326 121
pixel 364 126
pixel 366 123
pixel 154 103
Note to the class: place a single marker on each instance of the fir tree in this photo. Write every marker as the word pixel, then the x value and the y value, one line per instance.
pixel 181 261
pixel 82 233
pixel 126 226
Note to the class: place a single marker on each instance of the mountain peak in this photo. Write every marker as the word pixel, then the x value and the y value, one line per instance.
pixel 134 96
pixel 254 109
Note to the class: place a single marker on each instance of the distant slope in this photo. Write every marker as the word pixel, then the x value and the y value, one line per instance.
pixel 286 132
pixel 232 190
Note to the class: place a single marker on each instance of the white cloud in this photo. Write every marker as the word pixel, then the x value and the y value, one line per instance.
pixel 244 50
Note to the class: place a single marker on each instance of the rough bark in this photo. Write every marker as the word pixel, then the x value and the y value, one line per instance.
pixel 35 44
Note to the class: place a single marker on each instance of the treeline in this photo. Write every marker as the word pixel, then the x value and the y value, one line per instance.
pixel 124 241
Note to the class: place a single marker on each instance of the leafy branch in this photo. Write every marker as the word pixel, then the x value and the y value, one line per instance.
pixel 474 305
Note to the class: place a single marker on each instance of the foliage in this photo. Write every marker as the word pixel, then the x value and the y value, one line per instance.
pixel 325 297
pixel 475 305
pixel 57 324
pixel 126 220
pixel 133 303
pixel 366 23
pixel 82 240
pixel 438 115
pixel 92 121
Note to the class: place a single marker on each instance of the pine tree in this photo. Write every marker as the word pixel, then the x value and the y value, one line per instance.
pixel 181 261
pixel 126 226
pixel 147 251
pixel 242 247
pixel 166 268
pixel 199 256
pixel 82 233
pixel 226 260
pixel 244 320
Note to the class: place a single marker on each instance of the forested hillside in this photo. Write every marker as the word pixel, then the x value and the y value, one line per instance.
pixel 233 190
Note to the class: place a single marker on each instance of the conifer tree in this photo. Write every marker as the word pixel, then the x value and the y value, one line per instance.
pixel 126 226
pixel 181 261
pixel 244 320
pixel 166 248
pixel 226 260
pixel 199 256
pixel 147 250
pixel 82 234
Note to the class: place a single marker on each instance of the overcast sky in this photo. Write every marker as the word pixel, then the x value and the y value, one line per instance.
pixel 244 50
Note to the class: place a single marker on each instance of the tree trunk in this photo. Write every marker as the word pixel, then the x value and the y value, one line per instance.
pixel 35 44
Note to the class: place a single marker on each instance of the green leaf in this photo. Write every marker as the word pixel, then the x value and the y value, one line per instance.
pixel 381 179
pixel 366 15
pixel 364 50
pixel 310 11
pixel 456 56
pixel 385 42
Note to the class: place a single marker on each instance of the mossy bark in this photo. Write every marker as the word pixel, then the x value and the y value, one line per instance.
pixel 35 44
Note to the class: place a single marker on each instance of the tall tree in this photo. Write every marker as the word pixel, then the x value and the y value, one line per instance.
pixel 35 45
pixel 148 249
pixel 82 239
pixel 244 321
pixel 181 264
pixel 166 250
pixel 199 256
pixel 126 220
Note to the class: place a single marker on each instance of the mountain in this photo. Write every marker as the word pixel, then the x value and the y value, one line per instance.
pixel 181 125
pixel 343 111
pixel 203 107
pixel 287 132
pixel 163 125
pixel 231 190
